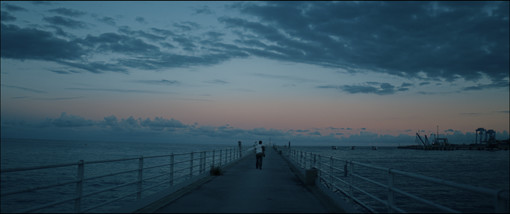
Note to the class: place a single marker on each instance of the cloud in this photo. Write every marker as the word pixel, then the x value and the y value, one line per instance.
pixel 30 43
pixel 60 98
pixel 40 3
pixel 186 26
pixel 25 89
pixel 218 82
pixel 315 133
pixel 107 20
pixel 64 71
pixel 7 17
pixel 68 12
pixel 117 90
pixel 95 67
pixel 116 43
pixel 69 126
pixel 161 123
pixel 493 85
pixel 139 33
pixel 404 39
pixel 69 121
pixel 203 10
pixel 368 88
pixel 13 8
pixel 65 22
pixel 283 77
pixel 383 89
pixel 158 82
pixel 140 20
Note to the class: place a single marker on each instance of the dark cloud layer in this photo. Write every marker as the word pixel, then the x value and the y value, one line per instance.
pixel 31 43
pixel 441 39
pixel 13 8
pixel 7 17
pixel 65 22
pixel 423 40
pixel 68 12
pixel 369 88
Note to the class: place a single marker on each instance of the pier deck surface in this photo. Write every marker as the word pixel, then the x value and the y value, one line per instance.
pixel 243 188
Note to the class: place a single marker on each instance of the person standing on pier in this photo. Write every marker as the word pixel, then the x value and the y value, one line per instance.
pixel 259 154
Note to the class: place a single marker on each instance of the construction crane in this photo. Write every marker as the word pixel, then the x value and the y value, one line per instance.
pixel 425 143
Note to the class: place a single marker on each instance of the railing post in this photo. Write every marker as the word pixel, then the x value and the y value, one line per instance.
pixel 501 205
pixel 312 162
pixel 79 187
pixel 205 161
pixel 351 180
pixel 202 161
pixel 140 173
pixel 300 159
pixel 221 156
pixel 331 169
pixel 191 165
pixel 213 156
pixel 240 149
pixel 390 191
pixel 226 156
pixel 172 169
pixel 319 166
pixel 309 156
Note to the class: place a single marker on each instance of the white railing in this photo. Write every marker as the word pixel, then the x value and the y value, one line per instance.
pixel 352 179
pixel 151 172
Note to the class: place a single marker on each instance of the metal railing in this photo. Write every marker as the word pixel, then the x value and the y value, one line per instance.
pixel 347 178
pixel 147 173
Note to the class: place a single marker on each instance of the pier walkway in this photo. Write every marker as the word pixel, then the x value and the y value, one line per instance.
pixel 243 188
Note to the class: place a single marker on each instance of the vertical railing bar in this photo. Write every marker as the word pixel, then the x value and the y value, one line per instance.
pixel 203 161
pixel 200 163
pixel 351 180
pixel 213 157
pixel 172 161
pixel 79 186
pixel 331 169
pixel 140 177
pixel 221 156
pixel 320 166
pixel 191 165
pixel 314 162
pixel 300 158
pixel 390 191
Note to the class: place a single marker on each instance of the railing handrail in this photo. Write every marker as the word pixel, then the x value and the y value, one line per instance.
pixel 205 158
pixel 98 161
pixel 482 190
pixel 303 159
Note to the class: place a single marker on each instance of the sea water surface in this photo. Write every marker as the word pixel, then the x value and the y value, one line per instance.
pixel 20 153
pixel 480 168
pixel 488 169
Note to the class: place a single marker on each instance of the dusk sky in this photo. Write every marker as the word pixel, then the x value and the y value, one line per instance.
pixel 346 73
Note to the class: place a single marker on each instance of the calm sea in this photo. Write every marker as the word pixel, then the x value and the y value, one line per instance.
pixel 17 153
pixel 488 169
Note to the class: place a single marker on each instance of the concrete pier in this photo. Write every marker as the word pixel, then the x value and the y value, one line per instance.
pixel 242 188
